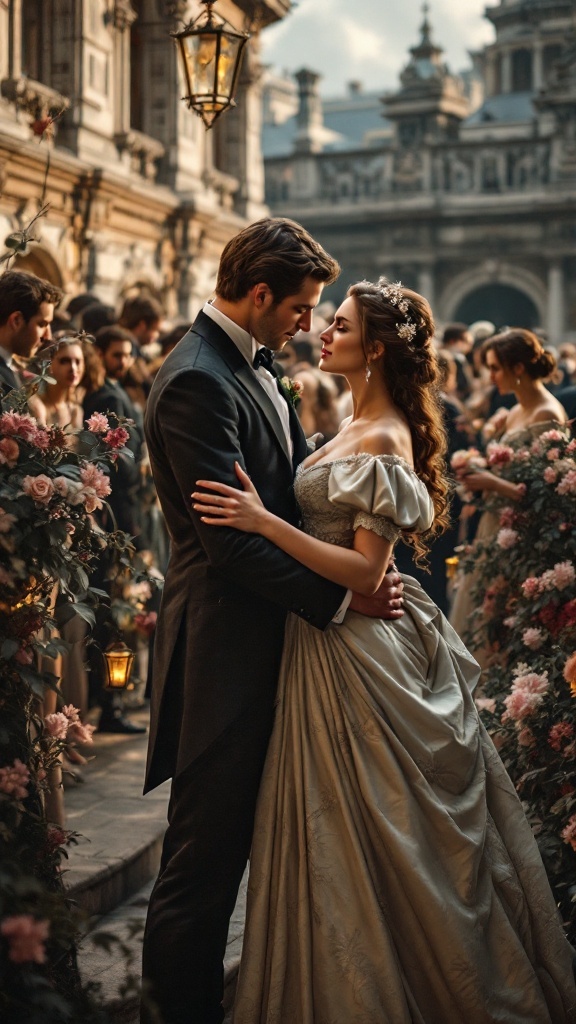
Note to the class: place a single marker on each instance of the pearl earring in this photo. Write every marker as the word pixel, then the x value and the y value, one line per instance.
pixel 368 372
pixel 517 381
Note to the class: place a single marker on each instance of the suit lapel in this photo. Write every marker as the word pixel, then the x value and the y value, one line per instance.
pixel 218 339
pixel 245 374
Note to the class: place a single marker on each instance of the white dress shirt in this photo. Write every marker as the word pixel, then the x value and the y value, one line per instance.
pixel 248 346
pixel 7 357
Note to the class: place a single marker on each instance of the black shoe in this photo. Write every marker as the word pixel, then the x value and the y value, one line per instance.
pixel 119 724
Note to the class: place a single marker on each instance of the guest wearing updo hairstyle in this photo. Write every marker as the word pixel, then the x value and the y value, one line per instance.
pixel 517 363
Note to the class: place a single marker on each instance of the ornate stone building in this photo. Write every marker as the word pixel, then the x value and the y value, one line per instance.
pixel 462 187
pixel 139 192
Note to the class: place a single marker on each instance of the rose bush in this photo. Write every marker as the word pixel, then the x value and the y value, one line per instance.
pixel 48 543
pixel 528 622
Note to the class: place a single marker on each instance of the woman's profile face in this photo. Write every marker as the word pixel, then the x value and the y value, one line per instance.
pixel 67 366
pixel 342 350
pixel 501 377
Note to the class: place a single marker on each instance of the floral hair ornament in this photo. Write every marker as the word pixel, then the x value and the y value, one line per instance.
pixel 394 295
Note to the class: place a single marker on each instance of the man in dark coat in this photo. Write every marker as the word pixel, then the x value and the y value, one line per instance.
pixel 27 305
pixel 115 348
pixel 221 624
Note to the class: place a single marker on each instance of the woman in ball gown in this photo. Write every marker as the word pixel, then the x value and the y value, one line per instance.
pixel 517 363
pixel 394 878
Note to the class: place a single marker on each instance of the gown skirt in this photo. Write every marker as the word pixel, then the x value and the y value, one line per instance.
pixel 394 878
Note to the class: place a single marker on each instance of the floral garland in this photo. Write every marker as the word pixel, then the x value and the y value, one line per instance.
pixel 526 596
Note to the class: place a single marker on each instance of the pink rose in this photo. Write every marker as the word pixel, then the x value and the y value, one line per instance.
pixel 72 713
pixel 569 833
pixel 507 516
pixel 56 725
pixel 499 454
pixel 14 780
pixel 552 435
pixel 81 733
pixel 559 732
pixel 520 705
pixel 533 638
pixel 98 423
pixel 531 682
pixel 549 475
pixel 93 477
pixel 40 488
pixel 9 452
pixel 460 459
pixel 19 425
pixel 562 575
pixel 569 671
pixel 568 483
pixel 26 938
pixel 117 438
pixel 42 439
pixel 553 454
pixel 506 538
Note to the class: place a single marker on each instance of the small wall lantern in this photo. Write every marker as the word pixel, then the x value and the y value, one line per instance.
pixel 118 659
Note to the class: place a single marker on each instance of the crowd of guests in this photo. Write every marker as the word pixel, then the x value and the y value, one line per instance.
pixel 103 361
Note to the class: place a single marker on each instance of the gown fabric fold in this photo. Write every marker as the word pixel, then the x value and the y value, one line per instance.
pixel 394 878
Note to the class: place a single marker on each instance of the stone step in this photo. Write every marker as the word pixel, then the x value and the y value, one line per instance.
pixel 120 831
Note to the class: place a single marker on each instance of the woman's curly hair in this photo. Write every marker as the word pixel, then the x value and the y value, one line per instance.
pixel 409 366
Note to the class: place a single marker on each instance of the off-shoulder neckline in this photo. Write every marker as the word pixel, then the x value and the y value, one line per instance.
pixel 394 459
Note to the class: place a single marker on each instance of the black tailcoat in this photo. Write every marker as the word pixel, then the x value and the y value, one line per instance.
pixel 221 622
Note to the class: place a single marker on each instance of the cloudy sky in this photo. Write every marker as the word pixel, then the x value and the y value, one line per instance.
pixel 368 40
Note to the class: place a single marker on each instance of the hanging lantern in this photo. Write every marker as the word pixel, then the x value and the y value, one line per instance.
pixel 211 50
pixel 118 659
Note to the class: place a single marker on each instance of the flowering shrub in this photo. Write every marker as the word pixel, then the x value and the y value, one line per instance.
pixel 48 544
pixel 528 621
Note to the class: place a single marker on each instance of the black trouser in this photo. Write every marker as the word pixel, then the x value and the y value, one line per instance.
pixel 206 848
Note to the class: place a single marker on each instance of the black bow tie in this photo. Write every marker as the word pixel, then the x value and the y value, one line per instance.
pixel 264 357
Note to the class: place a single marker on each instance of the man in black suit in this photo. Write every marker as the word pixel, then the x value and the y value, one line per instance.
pixel 27 305
pixel 226 596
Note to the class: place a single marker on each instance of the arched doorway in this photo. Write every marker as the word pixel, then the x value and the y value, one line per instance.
pixel 38 261
pixel 503 304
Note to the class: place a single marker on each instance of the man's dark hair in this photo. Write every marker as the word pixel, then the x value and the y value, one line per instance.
pixel 453 332
pixel 24 293
pixel 80 302
pixel 141 307
pixel 274 251
pixel 96 316
pixel 107 335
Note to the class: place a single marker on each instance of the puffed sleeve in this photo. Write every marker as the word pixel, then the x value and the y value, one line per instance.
pixel 386 495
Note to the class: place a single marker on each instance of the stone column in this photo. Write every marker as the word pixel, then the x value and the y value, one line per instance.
pixel 506 83
pixel 537 67
pixel 555 312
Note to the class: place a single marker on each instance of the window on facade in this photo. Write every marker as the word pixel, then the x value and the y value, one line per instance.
pixel 32 40
pixel 521 71
pixel 551 55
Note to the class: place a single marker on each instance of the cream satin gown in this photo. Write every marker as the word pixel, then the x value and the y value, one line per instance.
pixel 394 878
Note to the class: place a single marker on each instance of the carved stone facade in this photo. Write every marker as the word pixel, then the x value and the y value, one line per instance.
pixel 139 192
pixel 463 189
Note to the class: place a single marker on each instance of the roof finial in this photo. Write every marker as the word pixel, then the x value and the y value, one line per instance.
pixel 425 28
